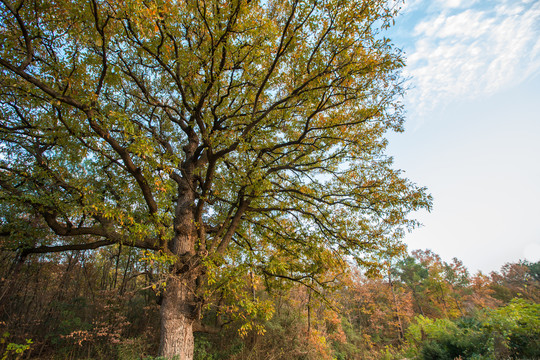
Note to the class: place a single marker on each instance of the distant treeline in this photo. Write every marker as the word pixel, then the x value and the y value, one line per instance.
pixel 103 304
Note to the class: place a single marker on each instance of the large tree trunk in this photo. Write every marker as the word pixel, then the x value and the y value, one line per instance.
pixel 177 321
pixel 179 308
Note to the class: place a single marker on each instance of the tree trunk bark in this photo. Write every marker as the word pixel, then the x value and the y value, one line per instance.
pixel 179 307
pixel 177 321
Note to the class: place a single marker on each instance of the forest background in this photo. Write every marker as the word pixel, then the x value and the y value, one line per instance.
pixel 103 304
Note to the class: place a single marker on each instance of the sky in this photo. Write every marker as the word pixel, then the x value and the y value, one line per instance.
pixel 472 131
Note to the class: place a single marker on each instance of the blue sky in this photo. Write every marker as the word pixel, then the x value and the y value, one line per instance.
pixel 473 127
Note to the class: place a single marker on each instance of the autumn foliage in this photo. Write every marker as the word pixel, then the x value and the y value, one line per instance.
pixel 103 304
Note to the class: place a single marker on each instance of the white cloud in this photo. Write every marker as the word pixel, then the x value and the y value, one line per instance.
pixel 451 4
pixel 466 53
pixel 411 5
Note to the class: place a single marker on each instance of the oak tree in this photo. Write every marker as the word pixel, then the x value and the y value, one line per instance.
pixel 219 135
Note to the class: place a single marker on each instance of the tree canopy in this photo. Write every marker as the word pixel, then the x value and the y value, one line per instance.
pixel 220 134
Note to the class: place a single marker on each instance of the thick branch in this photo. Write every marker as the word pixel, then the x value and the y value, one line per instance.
pixel 60 248
pixel 27 40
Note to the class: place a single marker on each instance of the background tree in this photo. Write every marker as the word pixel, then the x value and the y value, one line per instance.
pixel 516 280
pixel 413 275
pixel 225 136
